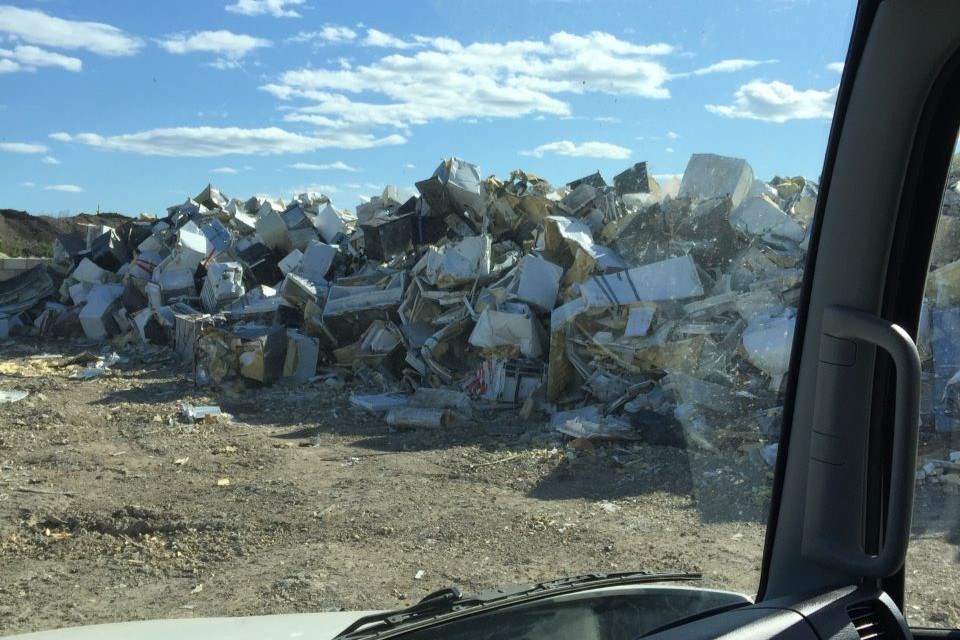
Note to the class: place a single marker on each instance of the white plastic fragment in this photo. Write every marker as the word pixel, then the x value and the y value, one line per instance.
pixel 270 228
pixel 379 403
pixel 761 188
pixel 331 223
pixel 405 416
pixel 96 315
pixel 567 312
pixel 300 363
pixel 223 285
pixel 345 299
pixel 452 264
pixel 78 292
pixel 174 283
pixel 87 271
pixel 462 180
pixel 12 395
pixel 578 236
pixel 99 369
pixel 639 320
pixel 589 422
pixel 768 339
pixel 535 281
pixel 204 413
pixel 757 216
pixel 711 176
pixel 191 248
pixel 513 325
pixel 290 262
pixel 317 260
pixel 671 279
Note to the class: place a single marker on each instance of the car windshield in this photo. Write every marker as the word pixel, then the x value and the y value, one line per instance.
pixel 312 306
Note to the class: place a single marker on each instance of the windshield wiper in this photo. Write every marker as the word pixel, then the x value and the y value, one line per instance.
pixel 451 601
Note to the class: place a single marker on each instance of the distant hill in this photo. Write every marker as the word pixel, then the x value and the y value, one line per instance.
pixel 25 235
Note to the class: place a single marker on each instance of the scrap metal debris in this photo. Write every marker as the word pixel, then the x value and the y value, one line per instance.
pixel 630 310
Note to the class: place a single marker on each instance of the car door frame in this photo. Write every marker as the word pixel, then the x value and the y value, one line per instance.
pixel 910 179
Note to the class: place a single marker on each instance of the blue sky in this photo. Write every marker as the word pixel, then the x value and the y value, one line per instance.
pixel 142 108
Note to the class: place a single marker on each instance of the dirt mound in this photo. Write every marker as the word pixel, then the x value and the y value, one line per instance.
pixel 23 234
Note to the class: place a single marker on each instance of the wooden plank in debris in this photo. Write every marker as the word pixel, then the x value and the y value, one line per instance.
pixel 559 370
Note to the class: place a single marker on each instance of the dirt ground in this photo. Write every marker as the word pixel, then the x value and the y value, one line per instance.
pixel 113 508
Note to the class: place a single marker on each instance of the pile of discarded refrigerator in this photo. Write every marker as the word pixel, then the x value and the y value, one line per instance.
pixel 620 308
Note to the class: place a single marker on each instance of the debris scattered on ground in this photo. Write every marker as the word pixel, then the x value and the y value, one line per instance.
pixel 12 395
pixel 100 367
pixel 626 311
pixel 208 413
pixel 364 491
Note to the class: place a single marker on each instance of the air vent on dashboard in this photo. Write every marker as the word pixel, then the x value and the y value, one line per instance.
pixel 869 620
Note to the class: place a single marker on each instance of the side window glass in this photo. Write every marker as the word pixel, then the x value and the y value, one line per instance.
pixel 933 561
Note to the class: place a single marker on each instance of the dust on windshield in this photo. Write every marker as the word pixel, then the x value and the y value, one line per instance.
pixel 320 308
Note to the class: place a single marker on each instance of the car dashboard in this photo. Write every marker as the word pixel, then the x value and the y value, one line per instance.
pixel 843 614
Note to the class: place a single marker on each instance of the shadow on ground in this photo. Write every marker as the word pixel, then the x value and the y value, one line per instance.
pixel 725 487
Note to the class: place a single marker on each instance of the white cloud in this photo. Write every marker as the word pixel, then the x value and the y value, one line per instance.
pixel 600 41
pixel 673 135
pixel 352 185
pixel 225 63
pixel 409 166
pixel 325 189
pixel 275 8
pixel 28 57
pixel 603 119
pixel 329 33
pixel 445 80
pixel 224 43
pixel 724 66
pixel 333 166
pixel 376 38
pixel 669 149
pixel 50 160
pixel 218 141
pixel 66 188
pixel 8 66
pixel 835 66
pixel 229 170
pixel 36 27
pixel 777 102
pixel 22 147
pixel 585 150
pixel 28 184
